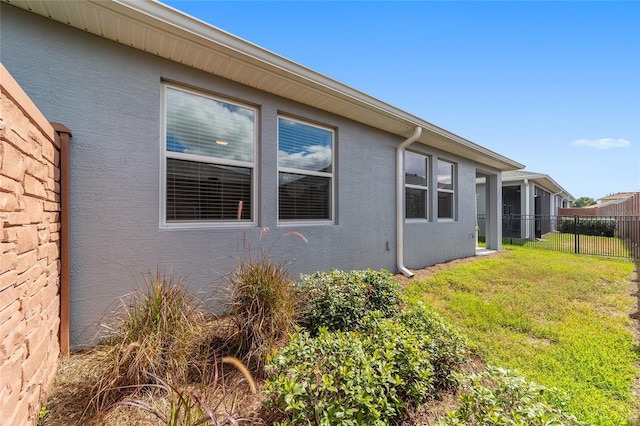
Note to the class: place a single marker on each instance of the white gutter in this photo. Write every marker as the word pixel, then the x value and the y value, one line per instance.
pixel 526 205
pixel 400 201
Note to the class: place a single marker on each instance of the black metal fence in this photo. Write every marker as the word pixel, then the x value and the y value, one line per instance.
pixel 601 236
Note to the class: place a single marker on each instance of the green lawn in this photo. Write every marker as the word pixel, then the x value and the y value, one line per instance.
pixel 560 319
pixel 584 244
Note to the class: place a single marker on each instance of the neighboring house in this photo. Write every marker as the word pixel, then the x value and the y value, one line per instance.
pixel 175 122
pixel 527 196
pixel 618 197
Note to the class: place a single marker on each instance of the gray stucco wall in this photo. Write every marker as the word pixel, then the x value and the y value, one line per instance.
pixel 481 198
pixel 109 95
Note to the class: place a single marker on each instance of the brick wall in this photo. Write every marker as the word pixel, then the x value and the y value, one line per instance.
pixel 30 259
pixel 591 211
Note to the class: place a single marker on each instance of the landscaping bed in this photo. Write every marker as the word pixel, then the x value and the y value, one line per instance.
pixel 341 347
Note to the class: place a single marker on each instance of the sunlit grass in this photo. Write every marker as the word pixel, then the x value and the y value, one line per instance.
pixel 559 319
pixel 584 244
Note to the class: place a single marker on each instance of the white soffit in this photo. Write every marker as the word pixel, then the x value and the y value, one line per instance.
pixel 163 31
pixel 543 180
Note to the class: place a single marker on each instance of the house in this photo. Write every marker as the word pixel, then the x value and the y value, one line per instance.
pixel 614 198
pixel 529 197
pixel 188 141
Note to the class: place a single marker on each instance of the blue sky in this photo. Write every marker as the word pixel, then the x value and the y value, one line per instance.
pixel 552 85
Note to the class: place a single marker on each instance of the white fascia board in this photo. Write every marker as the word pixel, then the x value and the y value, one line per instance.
pixel 289 70
pixel 207 38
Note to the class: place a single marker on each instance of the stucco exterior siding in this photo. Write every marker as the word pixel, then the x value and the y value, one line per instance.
pixel 110 96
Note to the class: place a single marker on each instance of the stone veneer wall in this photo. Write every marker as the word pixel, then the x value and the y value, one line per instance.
pixel 30 259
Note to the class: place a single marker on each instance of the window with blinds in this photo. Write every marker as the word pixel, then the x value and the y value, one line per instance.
pixel 209 158
pixel 305 171
pixel 446 190
pixel 416 187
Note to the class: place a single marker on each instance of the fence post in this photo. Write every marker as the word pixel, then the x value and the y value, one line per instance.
pixel 576 235
pixel 510 228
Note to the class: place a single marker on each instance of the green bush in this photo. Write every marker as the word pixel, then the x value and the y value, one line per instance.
pixel 338 378
pixel 501 397
pixel 382 291
pixel 339 300
pixel 446 347
pixel 598 227
pixel 363 377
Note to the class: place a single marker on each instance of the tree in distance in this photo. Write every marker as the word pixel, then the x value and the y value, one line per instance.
pixel 583 202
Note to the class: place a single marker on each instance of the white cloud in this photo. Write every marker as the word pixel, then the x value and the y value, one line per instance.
pixel 604 143
pixel 197 122
pixel 315 157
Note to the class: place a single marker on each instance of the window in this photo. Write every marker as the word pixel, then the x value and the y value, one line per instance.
pixel 209 159
pixel 416 185
pixel 445 189
pixel 305 171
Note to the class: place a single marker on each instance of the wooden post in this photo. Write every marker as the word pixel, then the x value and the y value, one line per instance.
pixel 64 135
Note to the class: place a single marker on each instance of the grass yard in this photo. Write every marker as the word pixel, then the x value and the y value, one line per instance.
pixel 586 244
pixel 349 352
pixel 561 320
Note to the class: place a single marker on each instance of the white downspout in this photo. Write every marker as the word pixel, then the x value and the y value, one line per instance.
pixel 527 204
pixel 554 207
pixel 400 201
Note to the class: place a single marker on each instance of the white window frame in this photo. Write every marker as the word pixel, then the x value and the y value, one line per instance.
pixel 454 182
pixel 425 188
pixel 165 154
pixel 331 175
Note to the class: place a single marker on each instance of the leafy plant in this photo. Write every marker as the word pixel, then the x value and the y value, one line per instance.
pixel 42 414
pixel 339 300
pixel 336 378
pixel 155 335
pixel 589 226
pixel 363 377
pixel 447 348
pixel 502 397
pixel 382 291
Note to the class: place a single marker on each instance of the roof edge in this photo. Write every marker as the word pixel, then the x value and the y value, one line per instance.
pixel 208 38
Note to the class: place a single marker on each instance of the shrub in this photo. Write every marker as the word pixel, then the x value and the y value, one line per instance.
pixel 343 378
pixel 446 347
pixel 382 291
pixel 339 300
pixel 155 335
pixel 369 376
pixel 501 397
pixel 264 307
pixel 594 226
